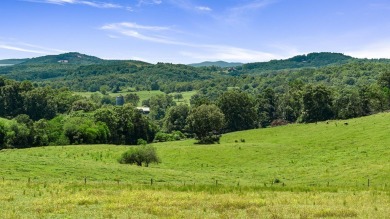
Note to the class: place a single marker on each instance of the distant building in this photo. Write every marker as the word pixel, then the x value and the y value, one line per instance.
pixel 144 109
pixel 120 100
pixel 63 61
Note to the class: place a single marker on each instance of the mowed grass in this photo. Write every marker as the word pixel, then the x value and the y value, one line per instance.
pixel 325 170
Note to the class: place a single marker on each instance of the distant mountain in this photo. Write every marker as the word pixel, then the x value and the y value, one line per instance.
pixel 66 58
pixel 12 61
pixel 301 61
pixel 222 64
pixel 88 73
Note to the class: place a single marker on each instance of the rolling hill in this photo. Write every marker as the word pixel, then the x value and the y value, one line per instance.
pixel 302 61
pixel 81 72
pixel 301 155
pixel 12 61
pixel 221 64
pixel 323 170
pixel 73 58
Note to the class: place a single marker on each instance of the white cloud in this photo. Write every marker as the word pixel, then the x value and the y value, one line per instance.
pixel 228 53
pixel 155 34
pixel 189 5
pixel 373 50
pixel 14 48
pixel 80 2
pixel 142 32
pixel 253 5
pixel 137 26
pixel 235 14
pixel 149 2
pixel 29 48
pixel 203 8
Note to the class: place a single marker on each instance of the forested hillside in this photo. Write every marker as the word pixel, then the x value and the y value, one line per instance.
pixel 80 72
pixel 221 64
pixel 45 110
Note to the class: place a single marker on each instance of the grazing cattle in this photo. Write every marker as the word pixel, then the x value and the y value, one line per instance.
pixel 345 123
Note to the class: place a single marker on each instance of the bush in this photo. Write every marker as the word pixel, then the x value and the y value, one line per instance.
pixel 145 154
pixel 279 122
pixel 174 136
pixel 141 142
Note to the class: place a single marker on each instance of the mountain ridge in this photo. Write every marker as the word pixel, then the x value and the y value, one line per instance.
pixel 222 64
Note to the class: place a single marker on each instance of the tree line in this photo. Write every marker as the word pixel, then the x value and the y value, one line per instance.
pixel 37 116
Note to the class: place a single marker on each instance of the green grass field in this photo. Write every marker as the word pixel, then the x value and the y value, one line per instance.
pixel 144 95
pixel 324 170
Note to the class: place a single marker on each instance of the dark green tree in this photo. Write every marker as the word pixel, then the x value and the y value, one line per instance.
pixel 384 80
pixel 39 103
pixel 347 104
pixel 206 122
pixel 159 105
pixel 178 96
pixel 12 100
pixel 175 119
pixel 239 109
pixel 132 98
pixel 83 105
pixel 3 135
pixel 266 107
pixel 199 99
pixel 317 103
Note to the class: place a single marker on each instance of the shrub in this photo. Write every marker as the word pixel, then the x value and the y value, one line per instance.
pixel 141 142
pixel 206 122
pixel 174 136
pixel 145 154
pixel 279 122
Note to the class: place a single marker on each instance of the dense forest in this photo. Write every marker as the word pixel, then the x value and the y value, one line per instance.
pixel 38 105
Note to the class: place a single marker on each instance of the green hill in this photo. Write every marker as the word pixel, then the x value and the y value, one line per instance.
pixel 66 58
pixel 87 73
pixel 297 155
pixel 301 61
pixel 12 61
pixel 335 169
pixel 221 64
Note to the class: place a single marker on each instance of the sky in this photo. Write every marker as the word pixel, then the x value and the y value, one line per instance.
pixel 192 31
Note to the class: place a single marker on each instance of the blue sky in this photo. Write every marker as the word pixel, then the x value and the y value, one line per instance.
pixel 190 31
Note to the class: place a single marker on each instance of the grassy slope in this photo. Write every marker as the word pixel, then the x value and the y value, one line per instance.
pixel 298 155
pixel 307 156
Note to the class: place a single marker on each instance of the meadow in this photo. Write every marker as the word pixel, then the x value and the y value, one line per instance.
pixel 333 169
pixel 144 95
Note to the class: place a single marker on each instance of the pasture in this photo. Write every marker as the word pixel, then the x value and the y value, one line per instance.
pixel 144 95
pixel 323 170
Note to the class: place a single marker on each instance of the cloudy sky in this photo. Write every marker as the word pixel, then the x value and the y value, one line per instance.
pixel 189 31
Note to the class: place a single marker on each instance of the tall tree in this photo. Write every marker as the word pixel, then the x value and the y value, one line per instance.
pixel 175 119
pixel 39 103
pixel 317 103
pixel 347 104
pixel 132 98
pixel 239 109
pixel 206 122
pixel 266 107
pixel 159 105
